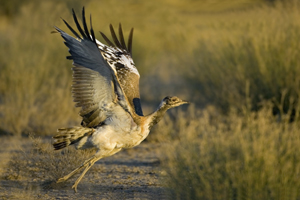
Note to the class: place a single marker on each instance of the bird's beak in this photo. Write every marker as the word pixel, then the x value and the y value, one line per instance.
pixel 185 102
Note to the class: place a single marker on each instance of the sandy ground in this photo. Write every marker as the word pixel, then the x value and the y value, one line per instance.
pixel 130 174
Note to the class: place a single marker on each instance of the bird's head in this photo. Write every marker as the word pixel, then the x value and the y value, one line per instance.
pixel 167 103
pixel 171 102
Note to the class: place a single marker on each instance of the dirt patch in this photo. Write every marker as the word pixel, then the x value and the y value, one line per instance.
pixel 130 174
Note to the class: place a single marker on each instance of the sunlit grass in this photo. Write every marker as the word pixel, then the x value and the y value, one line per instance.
pixel 204 57
pixel 226 57
pixel 251 156
pixel 44 164
pixel 258 48
pixel 35 84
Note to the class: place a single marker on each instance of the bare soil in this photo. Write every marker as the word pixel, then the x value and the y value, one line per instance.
pixel 130 174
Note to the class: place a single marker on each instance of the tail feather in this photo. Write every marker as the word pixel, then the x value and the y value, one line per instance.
pixel 69 136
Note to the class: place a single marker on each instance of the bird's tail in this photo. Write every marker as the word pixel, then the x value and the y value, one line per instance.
pixel 68 136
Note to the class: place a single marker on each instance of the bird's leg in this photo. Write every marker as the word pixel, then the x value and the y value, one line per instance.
pixel 84 164
pixel 89 165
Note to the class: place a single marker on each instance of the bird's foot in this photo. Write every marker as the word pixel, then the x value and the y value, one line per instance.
pixel 62 179
pixel 75 187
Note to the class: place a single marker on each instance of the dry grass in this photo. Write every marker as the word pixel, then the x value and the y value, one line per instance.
pixel 206 57
pixel 257 49
pixel 242 156
pixel 34 84
pixel 187 49
pixel 235 57
pixel 35 167
pixel 18 194
pixel 43 164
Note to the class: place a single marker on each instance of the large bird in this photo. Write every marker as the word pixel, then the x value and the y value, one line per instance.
pixel 106 87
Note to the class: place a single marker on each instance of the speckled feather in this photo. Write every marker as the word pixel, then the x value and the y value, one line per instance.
pixel 118 56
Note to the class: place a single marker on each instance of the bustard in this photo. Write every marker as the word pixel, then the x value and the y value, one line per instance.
pixel 106 87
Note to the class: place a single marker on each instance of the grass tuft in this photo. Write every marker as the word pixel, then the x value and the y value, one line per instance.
pixel 43 164
pixel 250 156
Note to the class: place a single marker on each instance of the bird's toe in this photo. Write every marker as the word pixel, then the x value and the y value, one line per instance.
pixel 75 187
pixel 60 180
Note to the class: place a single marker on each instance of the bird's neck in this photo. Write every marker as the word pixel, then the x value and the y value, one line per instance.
pixel 156 116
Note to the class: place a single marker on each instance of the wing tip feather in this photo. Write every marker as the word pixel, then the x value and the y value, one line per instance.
pixel 114 36
pixel 130 38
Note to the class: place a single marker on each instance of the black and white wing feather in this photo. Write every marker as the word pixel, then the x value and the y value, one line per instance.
pixel 95 85
pixel 118 56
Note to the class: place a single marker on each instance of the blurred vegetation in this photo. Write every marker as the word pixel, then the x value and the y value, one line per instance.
pixel 238 60
pixel 43 163
pixel 249 156
pixel 258 49
pixel 209 52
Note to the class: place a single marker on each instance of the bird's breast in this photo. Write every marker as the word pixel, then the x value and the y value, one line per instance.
pixel 135 138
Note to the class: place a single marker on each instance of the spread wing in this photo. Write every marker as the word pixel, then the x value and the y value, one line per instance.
pixel 96 88
pixel 119 58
